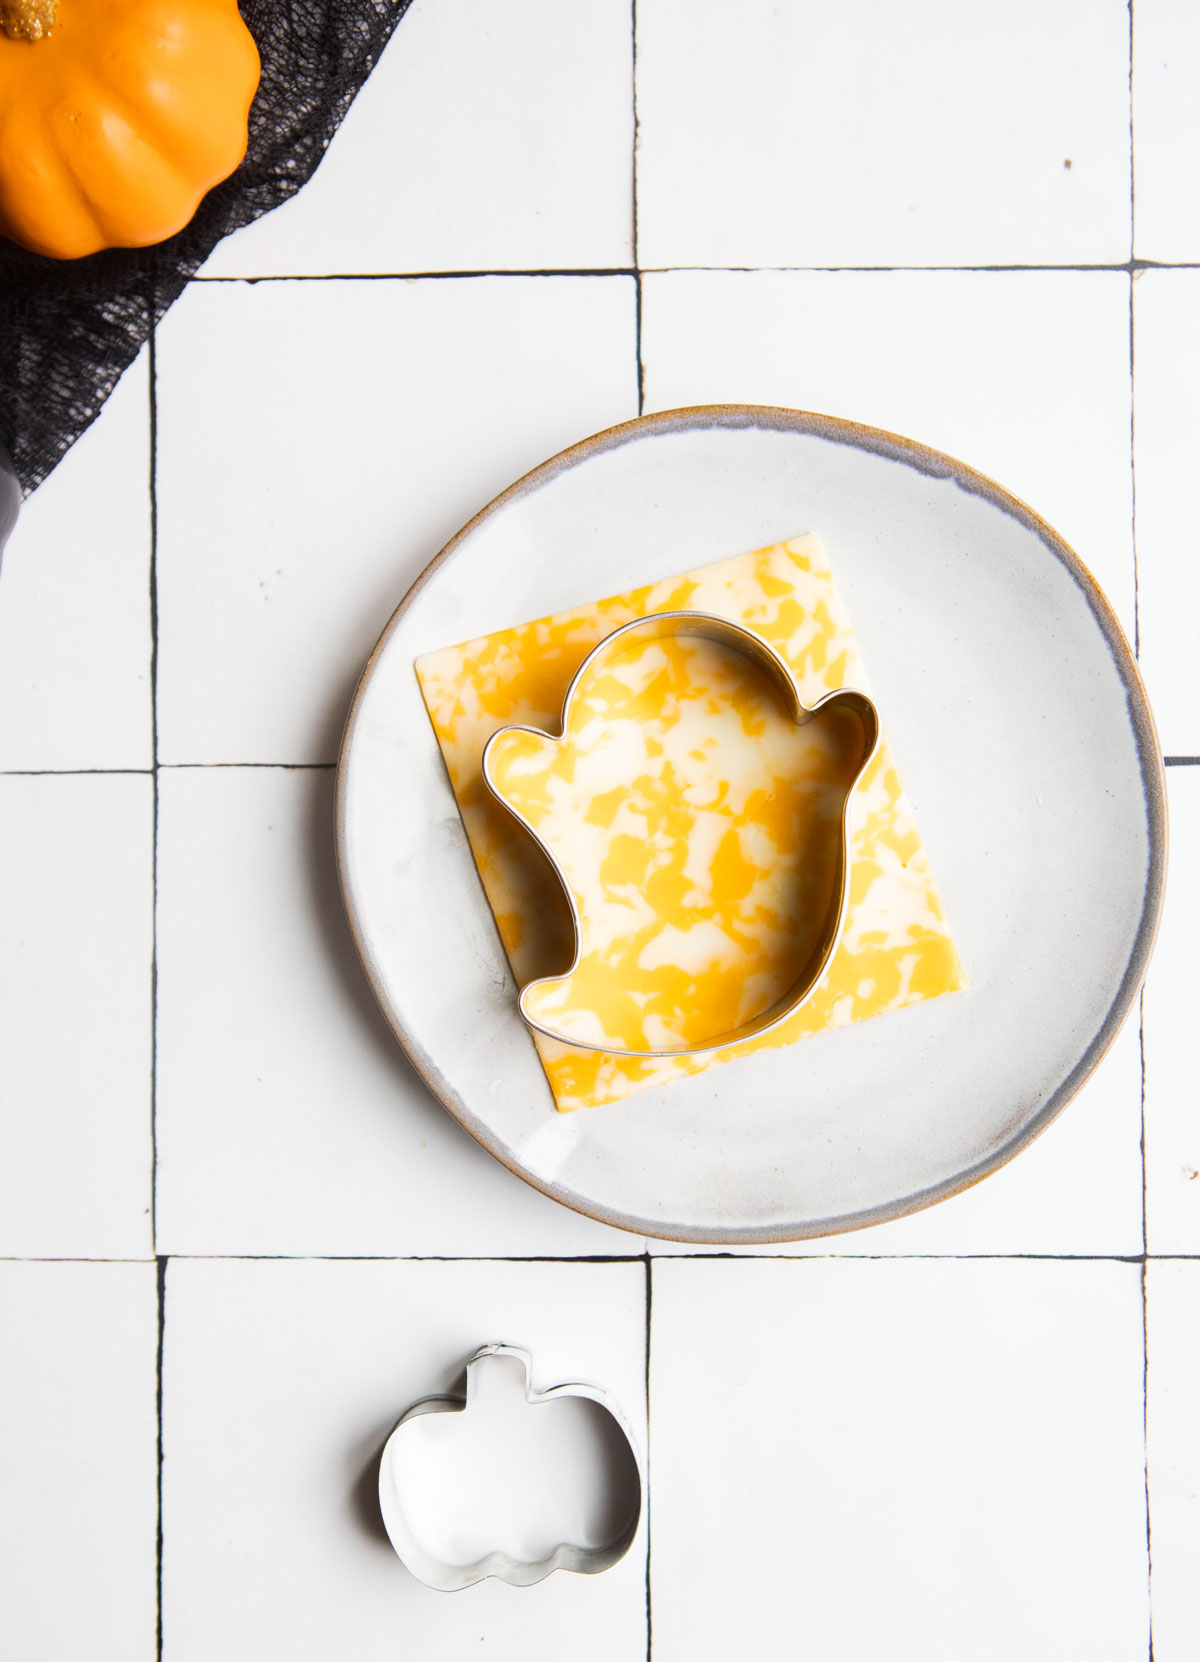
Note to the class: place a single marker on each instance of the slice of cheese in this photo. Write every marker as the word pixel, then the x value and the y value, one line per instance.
pixel 698 823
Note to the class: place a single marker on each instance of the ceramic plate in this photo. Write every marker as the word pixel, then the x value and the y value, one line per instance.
pixel 1023 736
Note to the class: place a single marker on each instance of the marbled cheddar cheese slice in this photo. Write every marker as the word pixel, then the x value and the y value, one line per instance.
pixel 696 824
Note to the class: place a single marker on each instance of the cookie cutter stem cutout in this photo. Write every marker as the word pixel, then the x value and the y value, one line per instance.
pixel 735 636
pixel 451 1578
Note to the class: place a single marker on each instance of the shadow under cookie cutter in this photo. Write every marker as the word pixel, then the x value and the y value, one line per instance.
pixel 735 636
pixel 445 1577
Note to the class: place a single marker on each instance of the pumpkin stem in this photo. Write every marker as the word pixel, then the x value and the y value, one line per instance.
pixel 28 19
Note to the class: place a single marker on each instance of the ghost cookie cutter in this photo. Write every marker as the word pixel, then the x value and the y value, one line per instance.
pixel 737 638
pixel 448 1577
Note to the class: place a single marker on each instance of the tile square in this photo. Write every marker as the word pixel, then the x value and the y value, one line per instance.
pixel 848 1452
pixel 868 135
pixel 76 945
pixel 1169 1004
pixel 78 1450
pixel 1166 314
pixel 75 601
pixel 1074 1193
pixel 1166 123
pixel 318 443
pixel 1024 375
pixel 282 1382
pixel 488 138
pixel 1173 1456
pixel 289 1121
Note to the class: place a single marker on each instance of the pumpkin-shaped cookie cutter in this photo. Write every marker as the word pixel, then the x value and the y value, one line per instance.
pixel 445 1577
pixel 738 638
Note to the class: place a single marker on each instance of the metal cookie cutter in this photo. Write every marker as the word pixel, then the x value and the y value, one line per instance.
pixel 706 626
pixel 450 1578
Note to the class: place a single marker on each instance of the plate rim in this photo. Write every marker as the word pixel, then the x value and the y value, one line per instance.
pixel 925 459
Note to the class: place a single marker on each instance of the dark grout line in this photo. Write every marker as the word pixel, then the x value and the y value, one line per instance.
pixel 153 356
pixel 74 773
pixel 654 1257
pixel 633 159
pixel 1146 1457
pixel 633 204
pixel 1137 617
pixel 744 1257
pixel 1132 266
pixel 407 1258
pixel 751 1257
pixel 1165 265
pixel 66 1258
pixel 1142 1091
pixel 1132 200
pixel 649 1262
pixel 1139 1259
pixel 158 1379
pixel 637 347
pixel 1135 267
pixel 287 767
pixel 1145 1344
pixel 423 276
pixel 161 1262
pixel 1128 266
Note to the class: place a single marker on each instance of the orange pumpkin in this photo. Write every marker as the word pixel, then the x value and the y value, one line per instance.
pixel 117 117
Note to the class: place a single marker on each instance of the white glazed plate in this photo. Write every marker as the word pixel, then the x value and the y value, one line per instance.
pixel 1013 706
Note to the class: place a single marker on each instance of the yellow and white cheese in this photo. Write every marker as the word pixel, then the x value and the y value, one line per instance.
pixel 697 826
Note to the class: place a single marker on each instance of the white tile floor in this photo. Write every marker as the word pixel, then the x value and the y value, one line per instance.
pixel 282 1381
pixel 947 354
pixel 947 133
pixel 1173 1451
pixel 75 635
pixel 76 1014
pixel 942 1452
pixel 925 1440
pixel 78 1450
pixel 340 465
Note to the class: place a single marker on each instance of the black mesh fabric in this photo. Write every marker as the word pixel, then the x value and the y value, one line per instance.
pixel 69 328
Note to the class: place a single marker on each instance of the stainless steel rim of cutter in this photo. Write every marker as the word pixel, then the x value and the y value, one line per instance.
pixel 451 1578
pixel 705 626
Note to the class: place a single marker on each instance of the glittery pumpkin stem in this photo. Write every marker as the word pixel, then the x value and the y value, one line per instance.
pixel 28 19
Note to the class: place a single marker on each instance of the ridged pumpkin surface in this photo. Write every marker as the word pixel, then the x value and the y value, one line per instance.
pixel 114 126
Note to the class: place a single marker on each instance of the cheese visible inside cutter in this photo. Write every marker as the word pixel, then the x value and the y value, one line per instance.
pixel 699 829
